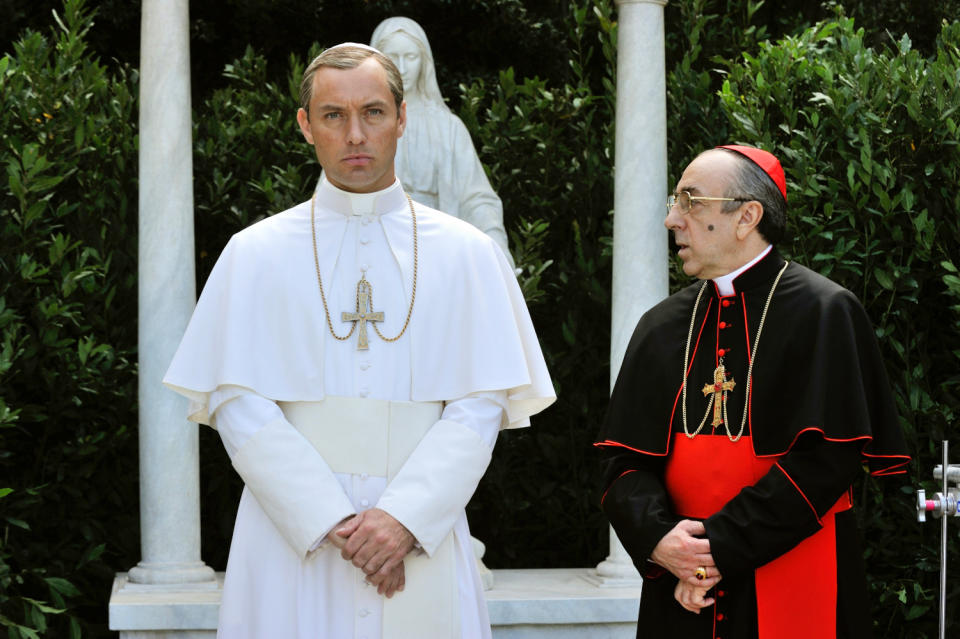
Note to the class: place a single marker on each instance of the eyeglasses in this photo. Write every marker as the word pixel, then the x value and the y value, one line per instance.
pixel 685 201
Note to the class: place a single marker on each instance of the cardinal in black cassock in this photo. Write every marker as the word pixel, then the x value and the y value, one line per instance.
pixel 748 402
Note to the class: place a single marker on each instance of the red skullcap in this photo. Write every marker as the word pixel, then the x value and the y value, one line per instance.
pixel 766 161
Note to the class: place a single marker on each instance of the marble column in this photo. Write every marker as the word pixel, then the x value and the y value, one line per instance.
pixel 640 260
pixel 169 446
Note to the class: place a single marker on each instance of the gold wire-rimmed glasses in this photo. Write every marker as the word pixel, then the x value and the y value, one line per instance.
pixel 685 201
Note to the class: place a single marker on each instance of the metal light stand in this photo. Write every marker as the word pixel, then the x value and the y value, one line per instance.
pixel 944 504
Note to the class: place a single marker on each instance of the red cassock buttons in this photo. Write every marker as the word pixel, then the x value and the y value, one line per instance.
pixel 721 593
pixel 720 617
pixel 722 352
pixel 723 325
pixel 727 303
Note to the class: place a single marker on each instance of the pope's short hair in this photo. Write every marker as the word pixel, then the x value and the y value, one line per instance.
pixel 349 57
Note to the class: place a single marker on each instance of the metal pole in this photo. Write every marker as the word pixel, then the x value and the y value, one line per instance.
pixel 943 545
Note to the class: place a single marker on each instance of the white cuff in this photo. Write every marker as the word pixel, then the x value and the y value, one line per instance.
pixel 293 485
pixel 433 487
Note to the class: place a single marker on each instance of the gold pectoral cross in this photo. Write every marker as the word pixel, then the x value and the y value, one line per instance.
pixel 719 388
pixel 364 312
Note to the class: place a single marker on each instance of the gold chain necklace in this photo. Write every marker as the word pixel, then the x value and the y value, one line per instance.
pixel 364 289
pixel 720 369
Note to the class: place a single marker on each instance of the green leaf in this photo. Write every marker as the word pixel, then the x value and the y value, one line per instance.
pixel 883 278
pixel 916 611
pixel 29 155
pixel 62 586
pixel 43 607
pixel 17 522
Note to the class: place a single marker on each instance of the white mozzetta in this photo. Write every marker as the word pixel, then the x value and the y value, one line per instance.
pixel 639 237
pixel 169 475
pixel 470 330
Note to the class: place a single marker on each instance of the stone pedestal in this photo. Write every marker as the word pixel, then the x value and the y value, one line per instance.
pixel 640 260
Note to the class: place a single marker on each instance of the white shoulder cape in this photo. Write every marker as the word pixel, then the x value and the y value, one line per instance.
pixel 260 323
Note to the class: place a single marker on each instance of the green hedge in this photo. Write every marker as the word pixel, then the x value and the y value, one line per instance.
pixel 867 134
pixel 67 329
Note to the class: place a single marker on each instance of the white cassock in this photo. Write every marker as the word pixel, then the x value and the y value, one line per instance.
pixel 258 348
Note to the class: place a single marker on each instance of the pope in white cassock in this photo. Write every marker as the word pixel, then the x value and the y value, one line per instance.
pixel 358 355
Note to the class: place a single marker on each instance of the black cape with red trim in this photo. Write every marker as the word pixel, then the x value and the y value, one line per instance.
pixel 818 368
pixel 820 404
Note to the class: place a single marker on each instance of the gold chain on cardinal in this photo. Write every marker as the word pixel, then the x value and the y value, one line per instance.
pixel 720 387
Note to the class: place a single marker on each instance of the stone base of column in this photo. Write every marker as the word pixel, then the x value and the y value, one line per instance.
pixel 183 576
pixel 165 611
pixel 617 570
pixel 615 574
pixel 486 575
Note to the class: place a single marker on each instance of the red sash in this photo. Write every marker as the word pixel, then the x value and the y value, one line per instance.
pixel 797 592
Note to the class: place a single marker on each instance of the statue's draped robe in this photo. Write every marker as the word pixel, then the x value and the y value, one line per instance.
pixel 259 337
pixel 820 404
pixel 438 165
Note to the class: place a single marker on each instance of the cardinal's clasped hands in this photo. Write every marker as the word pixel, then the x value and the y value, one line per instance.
pixel 688 557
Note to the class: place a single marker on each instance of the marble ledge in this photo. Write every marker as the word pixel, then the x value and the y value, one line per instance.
pixel 558 596
pixel 555 603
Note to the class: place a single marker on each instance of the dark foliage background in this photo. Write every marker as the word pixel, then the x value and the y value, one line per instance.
pixel 864 119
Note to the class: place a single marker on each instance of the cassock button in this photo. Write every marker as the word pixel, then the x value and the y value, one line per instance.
pixel 724 325
pixel 721 352
pixel 363 612
pixel 364 240
pixel 364 392
pixel 364 267
pixel 720 616
pixel 726 303
pixel 721 593
pixel 364 502
pixel 364 365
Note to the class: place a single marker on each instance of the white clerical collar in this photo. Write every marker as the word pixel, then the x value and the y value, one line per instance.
pixel 724 283
pixel 347 203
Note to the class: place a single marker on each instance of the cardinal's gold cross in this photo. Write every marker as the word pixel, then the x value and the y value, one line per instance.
pixel 719 388
pixel 364 313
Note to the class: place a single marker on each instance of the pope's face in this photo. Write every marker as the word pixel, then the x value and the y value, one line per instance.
pixel 405 53
pixel 705 235
pixel 354 125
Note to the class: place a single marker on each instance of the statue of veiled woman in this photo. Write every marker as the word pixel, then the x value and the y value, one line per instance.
pixel 436 160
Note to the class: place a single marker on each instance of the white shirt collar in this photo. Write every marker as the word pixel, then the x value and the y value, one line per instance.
pixel 347 203
pixel 724 283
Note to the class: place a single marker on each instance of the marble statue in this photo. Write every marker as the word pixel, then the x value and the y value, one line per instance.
pixel 436 160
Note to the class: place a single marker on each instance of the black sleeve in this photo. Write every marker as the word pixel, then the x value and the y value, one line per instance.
pixel 636 503
pixel 782 509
